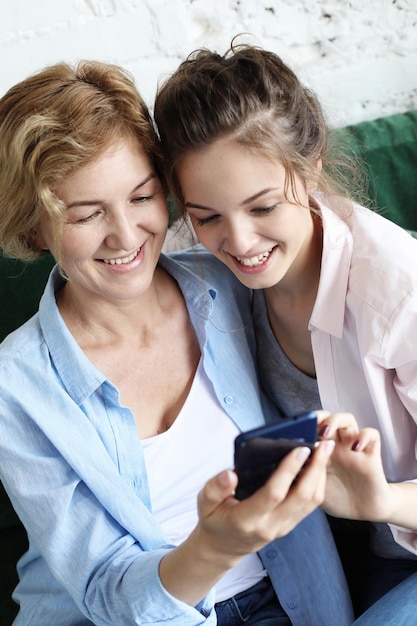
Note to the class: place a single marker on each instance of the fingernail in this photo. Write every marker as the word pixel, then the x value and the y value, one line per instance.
pixel 303 453
pixel 324 430
pixel 328 446
pixel 224 478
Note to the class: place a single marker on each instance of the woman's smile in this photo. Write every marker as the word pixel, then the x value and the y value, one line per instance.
pixel 115 223
pixel 124 260
pixel 256 260
pixel 244 211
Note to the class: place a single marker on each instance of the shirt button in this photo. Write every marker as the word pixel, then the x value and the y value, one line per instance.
pixel 271 554
pixel 228 399
pixel 292 604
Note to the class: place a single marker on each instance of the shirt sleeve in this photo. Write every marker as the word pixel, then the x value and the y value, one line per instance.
pixel 401 355
pixel 405 537
pixel 111 574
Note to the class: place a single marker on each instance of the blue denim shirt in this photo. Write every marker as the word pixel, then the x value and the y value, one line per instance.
pixel 73 466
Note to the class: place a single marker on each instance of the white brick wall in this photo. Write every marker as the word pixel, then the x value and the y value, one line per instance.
pixel 360 56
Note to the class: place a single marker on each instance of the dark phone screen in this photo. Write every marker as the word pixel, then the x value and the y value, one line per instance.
pixel 259 451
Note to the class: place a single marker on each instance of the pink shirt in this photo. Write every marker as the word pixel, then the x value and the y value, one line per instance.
pixel 364 334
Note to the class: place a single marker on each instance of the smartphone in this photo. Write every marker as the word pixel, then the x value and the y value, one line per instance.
pixel 259 451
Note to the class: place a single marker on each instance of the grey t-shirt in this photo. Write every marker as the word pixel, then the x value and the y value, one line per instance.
pixel 291 390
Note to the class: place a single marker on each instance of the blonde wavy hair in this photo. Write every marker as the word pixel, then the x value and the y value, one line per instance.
pixel 51 124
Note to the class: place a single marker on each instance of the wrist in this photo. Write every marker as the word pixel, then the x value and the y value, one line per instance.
pixel 192 569
pixel 402 501
pixel 210 551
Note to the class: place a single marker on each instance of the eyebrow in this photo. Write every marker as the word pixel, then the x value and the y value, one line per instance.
pixel 95 202
pixel 192 205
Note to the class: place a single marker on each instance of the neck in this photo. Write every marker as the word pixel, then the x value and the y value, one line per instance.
pixel 94 319
pixel 302 279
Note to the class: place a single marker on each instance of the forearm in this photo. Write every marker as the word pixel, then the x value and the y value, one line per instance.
pixel 191 570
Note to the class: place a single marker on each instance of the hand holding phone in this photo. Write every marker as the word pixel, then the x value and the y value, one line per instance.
pixel 259 451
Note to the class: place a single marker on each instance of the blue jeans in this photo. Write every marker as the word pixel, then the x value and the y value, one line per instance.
pixel 398 607
pixel 258 605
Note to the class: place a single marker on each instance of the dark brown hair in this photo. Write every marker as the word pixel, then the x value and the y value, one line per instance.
pixel 251 96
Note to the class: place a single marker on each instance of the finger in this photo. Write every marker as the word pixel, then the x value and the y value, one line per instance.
pixel 338 426
pixel 304 494
pixel 368 440
pixel 215 491
pixel 321 415
pixel 315 470
pixel 324 450
pixel 279 483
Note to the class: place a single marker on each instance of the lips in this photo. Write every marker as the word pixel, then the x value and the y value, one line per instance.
pixel 123 260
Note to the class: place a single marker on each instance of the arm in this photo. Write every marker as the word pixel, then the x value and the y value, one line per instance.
pixel 228 529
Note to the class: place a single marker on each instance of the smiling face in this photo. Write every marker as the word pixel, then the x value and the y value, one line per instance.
pixel 242 212
pixel 115 223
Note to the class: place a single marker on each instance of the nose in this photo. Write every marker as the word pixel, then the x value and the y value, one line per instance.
pixel 122 230
pixel 239 237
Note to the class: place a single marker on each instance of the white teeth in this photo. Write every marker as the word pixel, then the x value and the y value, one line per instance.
pixel 123 261
pixel 255 260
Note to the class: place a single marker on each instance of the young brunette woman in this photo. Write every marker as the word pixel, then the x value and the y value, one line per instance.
pixel 246 150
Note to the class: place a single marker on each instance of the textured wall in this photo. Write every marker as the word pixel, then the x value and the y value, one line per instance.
pixel 360 56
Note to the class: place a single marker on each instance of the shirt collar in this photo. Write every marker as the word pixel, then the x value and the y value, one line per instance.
pixel 194 283
pixel 329 309
pixel 79 376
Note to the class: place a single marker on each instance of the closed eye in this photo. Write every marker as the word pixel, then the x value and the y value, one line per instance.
pixel 143 199
pixel 86 219
pixel 265 210
pixel 203 221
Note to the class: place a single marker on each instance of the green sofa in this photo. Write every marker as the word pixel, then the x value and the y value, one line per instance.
pixel 388 148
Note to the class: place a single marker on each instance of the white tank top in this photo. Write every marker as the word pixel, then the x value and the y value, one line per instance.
pixel 197 446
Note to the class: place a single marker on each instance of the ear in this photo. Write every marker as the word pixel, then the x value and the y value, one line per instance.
pixel 43 235
pixel 38 238
pixel 313 181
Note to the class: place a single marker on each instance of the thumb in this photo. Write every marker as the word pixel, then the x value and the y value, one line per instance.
pixel 215 491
